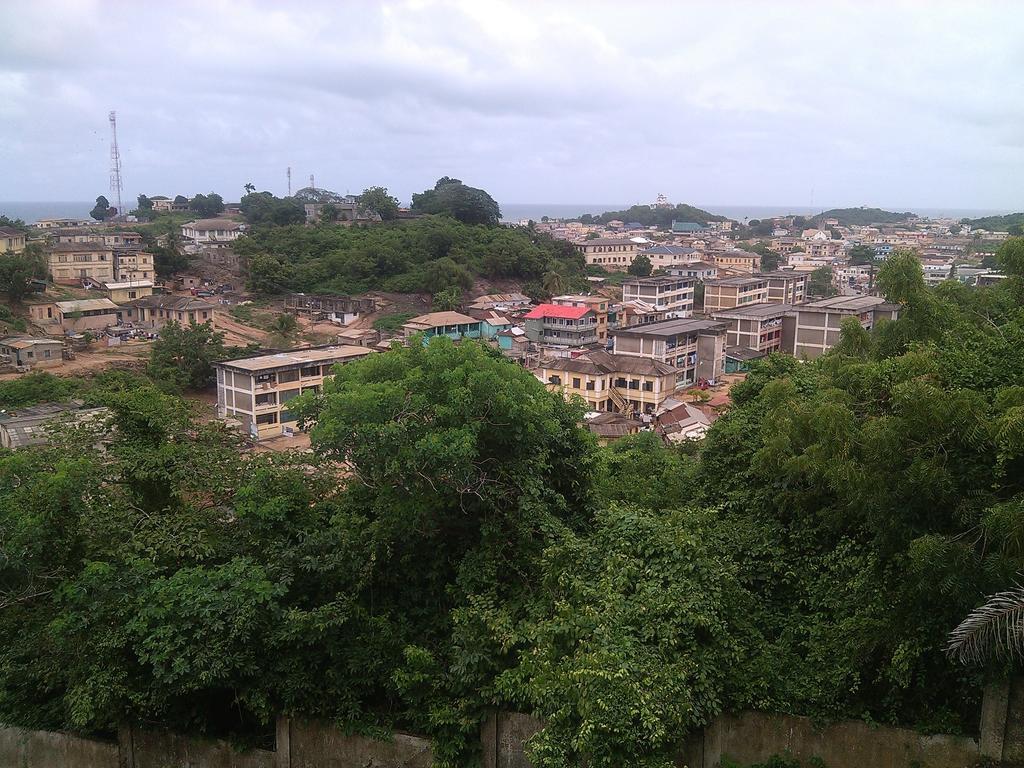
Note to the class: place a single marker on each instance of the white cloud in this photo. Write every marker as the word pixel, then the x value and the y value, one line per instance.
pixel 741 102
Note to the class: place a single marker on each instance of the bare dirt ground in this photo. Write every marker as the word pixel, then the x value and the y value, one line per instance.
pixel 238 334
pixel 125 357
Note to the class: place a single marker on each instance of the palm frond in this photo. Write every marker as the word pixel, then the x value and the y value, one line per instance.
pixel 995 628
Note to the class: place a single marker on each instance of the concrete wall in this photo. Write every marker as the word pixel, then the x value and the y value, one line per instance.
pixel 754 736
pixel 503 737
pixel 153 749
pixel 303 744
pixel 42 749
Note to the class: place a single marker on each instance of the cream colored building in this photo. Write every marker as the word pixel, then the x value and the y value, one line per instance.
pixel 12 240
pixel 81 315
pixel 740 261
pixel 156 311
pixel 126 291
pixel 613 254
pixel 256 390
pixel 599 304
pixel 70 263
pixel 608 382
pixel 133 265
pixel 732 292
pixel 212 231
pixel 818 324
pixel 671 295
pixel 694 348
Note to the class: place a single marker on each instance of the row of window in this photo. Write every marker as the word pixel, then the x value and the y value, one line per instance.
pixel 621 383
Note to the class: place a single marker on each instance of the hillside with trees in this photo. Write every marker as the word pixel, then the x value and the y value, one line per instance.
pixel 861 217
pixel 429 254
pixel 1011 222
pixel 651 216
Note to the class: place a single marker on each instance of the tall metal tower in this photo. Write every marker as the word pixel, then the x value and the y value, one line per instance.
pixel 312 184
pixel 289 181
pixel 116 185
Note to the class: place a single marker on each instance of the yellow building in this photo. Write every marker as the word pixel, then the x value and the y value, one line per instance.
pixel 609 382
pixel 12 240
pixel 732 292
pixel 256 390
pixel 71 263
pixel 613 254
pixel 128 290
pixel 132 265
pixel 741 261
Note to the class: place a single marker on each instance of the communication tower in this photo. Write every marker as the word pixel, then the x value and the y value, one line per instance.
pixel 289 181
pixel 116 185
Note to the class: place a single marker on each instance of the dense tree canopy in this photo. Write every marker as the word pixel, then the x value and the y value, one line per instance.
pixel 18 270
pixel 453 198
pixel 456 542
pixel 378 200
pixel 206 205
pixel 652 216
pixel 424 255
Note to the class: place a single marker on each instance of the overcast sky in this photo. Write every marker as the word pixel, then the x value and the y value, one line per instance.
pixel 897 104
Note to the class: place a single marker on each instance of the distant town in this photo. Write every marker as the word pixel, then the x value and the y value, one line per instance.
pixel 666 312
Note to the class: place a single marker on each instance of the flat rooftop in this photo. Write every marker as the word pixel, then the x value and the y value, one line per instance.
pixel 670 327
pixel 845 303
pixel 737 281
pixel 755 310
pixel 659 280
pixel 296 357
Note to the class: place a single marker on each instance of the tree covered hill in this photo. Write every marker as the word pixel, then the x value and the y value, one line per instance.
pixel 428 254
pixel 650 216
pixel 862 216
pixel 1011 222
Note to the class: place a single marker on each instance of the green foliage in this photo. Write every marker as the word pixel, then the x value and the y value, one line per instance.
pixel 262 208
pixel 102 210
pixel 446 300
pixel 861 217
pixel 640 266
pixel 183 356
pixel 392 322
pixel 996 223
pixel 19 224
pixel 769 259
pixel 427 255
pixel 379 201
pixel 18 270
pixel 35 387
pixel 820 282
pixel 206 205
pixel 451 197
pixel 650 216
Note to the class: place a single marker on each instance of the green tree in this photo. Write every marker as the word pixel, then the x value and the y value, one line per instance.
pixel 449 299
pixel 102 210
pixel 249 188
pixel 379 201
pixel 453 198
pixel 19 270
pixel 864 255
pixel 820 282
pixel 7 221
pixel 183 356
pixel 207 205
pixel 329 212
pixel 285 326
pixel 640 266
pixel 769 258
pixel 553 282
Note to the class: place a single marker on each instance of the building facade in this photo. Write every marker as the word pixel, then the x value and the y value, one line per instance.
pixel 32 352
pixel 11 240
pixel 71 263
pixel 454 325
pixel 608 382
pixel 758 327
pixel 817 324
pixel 732 292
pixel 671 295
pixel 256 390
pixel 613 254
pixel 155 312
pixel 212 231
pixel 786 286
pixel 667 256
pixel 695 348
pixel 131 265
pixel 554 325
pixel 600 305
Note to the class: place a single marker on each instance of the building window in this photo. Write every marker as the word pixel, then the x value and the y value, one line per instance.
pixel 267 418
pixel 575 383
pixel 590 386
pixel 648 386
pixel 634 384
pixel 554 379
pixel 620 382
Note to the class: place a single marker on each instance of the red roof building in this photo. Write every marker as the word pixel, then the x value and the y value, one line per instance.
pixel 555 311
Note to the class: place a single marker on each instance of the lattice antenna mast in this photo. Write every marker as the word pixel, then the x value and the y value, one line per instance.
pixel 289 181
pixel 312 184
pixel 116 185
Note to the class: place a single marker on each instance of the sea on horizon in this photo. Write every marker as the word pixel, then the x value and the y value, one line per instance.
pixel 31 211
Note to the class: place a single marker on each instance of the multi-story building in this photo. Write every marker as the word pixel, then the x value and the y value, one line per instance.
pixel 666 256
pixel 72 263
pixel 671 295
pixel 256 390
pixel 702 270
pixel 823 249
pixel 212 232
pixel 732 292
pixel 554 325
pixel 695 348
pixel 129 290
pixel 156 311
pixel 786 286
pixel 163 204
pixel 758 326
pixel 80 315
pixel 740 261
pixel 597 303
pixel 11 240
pixel 610 382
pixel 120 239
pixel 132 265
pixel 614 254
pixel 816 326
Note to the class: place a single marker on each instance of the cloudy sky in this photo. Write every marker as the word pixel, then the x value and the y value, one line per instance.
pixel 913 104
